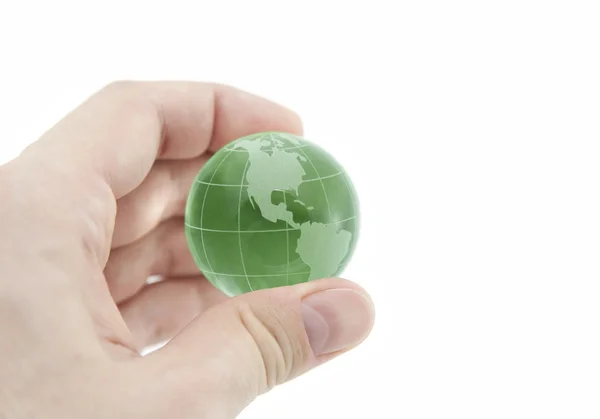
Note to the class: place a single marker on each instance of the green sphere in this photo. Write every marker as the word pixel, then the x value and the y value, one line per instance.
pixel 269 210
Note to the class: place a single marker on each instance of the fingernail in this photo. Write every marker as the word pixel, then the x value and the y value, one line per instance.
pixel 336 319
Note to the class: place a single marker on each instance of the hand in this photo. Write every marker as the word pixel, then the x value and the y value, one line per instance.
pixel 95 207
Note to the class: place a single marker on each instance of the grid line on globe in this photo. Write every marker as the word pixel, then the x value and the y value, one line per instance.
pixel 321 180
pixel 350 190
pixel 295 214
pixel 259 231
pixel 239 217
pixel 258 276
pixel 287 249
pixel 282 149
pixel 202 212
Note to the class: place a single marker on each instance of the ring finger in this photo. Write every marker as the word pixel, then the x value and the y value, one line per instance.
pixel 163 252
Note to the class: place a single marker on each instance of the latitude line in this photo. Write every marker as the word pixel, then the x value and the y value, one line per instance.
pixel 273 140
pixel 322 184
pixel 285 138
pixel 263 231
pixel 240 223
pixel 303 181
pixel 275 148
pixel 202 213
pixel 259 276
pixel 323 177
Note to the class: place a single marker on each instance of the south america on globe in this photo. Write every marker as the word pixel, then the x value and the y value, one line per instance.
pixel 269 210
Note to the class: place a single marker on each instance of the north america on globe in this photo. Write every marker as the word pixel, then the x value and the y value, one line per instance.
pixel 269 210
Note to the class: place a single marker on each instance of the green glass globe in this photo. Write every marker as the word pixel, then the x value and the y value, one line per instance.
pixel 269 210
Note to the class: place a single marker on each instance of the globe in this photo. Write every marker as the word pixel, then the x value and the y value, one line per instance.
pixel 269 210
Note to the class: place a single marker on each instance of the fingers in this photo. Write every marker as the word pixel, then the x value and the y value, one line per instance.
pixel 122 129
pixel 162 309
pixel 162 252
pixel 106 147
pixel 161 195
pixel 249 344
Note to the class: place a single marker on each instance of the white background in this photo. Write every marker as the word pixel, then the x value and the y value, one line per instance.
pixel 471 131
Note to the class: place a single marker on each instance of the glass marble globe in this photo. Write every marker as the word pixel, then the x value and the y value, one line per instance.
pixel 269 210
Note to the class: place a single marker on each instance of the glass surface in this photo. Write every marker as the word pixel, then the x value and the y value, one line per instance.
pixel 269 210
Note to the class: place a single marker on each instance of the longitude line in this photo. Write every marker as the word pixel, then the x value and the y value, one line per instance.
pixel 240 223
pixel 192 244
pixel 355 210
pixel 350 192
pixel 202 211
pixel 287 239
pixel 287 247
pixel 287 233
pixel 321 180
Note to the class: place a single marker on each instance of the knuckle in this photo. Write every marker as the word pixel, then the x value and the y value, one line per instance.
pixel 5 185
pixel 274 331
pixel 119 86
pixel 135 102
pixel 95 218
pixel 128 97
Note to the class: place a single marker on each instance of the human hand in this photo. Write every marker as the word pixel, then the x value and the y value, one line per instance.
pixel 95 207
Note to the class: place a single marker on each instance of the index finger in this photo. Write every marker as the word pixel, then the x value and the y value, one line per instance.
pixel 120 131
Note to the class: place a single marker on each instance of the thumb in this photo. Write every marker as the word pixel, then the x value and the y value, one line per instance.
pixel 240 349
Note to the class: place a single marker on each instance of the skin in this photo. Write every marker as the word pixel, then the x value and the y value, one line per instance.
pixel 91 210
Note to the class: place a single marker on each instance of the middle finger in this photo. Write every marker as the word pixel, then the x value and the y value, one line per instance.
pixel 162 195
